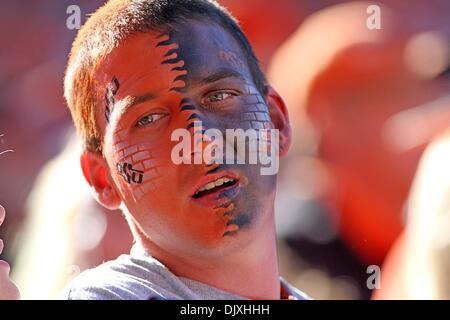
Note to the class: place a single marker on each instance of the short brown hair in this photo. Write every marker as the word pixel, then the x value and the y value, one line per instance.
pixel 110 25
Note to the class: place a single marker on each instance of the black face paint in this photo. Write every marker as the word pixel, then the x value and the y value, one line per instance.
pixel 111 91
pixel 241 221
pixel 129 174
pixel 195 54
pixel 186 105
pixel 174 57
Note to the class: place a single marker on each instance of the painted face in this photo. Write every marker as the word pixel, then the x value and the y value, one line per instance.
pixel 155 83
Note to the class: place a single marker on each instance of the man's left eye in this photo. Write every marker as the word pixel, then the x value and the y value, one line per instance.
pixel 148 120
pixel 219 96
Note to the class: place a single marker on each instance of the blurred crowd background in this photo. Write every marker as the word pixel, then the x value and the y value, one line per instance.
pixel 367 182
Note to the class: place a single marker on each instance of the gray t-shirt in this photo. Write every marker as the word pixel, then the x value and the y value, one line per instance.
pixel 138 276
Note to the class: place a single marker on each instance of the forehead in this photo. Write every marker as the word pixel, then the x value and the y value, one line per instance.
pixel 203 48
pixel 207 45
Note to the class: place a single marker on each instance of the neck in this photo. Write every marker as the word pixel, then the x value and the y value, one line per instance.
pixel 252 272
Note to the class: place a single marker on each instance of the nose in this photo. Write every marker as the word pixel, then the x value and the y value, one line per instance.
pixel 197 123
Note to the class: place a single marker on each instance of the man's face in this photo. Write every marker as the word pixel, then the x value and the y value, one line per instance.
pixel 155 83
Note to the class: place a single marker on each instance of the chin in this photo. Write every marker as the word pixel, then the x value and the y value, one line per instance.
pixel 227 245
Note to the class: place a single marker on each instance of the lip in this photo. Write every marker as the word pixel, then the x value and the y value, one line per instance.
pixel 213 199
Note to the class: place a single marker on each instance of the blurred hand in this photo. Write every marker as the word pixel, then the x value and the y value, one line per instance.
pixel 8 290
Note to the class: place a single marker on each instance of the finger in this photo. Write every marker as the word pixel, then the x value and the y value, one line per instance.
pixel 2 214
pixel 2 217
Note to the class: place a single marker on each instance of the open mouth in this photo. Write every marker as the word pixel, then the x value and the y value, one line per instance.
pixel 214 186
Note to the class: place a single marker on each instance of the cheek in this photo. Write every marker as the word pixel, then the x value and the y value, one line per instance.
pixel 139 166
pixel 255 113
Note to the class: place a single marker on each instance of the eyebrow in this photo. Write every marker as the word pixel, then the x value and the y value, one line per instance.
pixel 131 101
pixel 221 74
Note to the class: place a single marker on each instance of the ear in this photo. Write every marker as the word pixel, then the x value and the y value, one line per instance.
pixel 280 119
pixel 96 171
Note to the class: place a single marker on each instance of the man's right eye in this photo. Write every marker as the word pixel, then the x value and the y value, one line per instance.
pixel 148 120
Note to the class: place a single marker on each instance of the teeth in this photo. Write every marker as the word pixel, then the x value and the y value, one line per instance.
pixel 210 186
pixel 214 184
pixel 219 182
